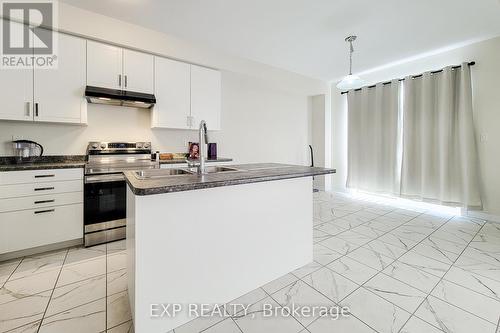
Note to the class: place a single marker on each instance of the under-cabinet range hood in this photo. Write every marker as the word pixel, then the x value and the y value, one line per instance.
pixel 115 97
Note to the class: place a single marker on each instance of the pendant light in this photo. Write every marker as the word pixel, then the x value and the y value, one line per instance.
pixel 350 81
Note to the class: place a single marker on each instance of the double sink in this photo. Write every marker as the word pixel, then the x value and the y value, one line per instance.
pixel 163 173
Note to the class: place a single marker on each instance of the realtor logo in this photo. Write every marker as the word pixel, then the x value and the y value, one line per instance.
pixel 28 38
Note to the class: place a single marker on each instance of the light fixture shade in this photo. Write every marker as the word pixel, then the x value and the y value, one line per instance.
pixel 350 82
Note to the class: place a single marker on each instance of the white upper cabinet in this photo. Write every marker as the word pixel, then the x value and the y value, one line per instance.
pixel 48 94
pixel 116 68
pixel 16 92
pixel 138 71
pixel 104 65
pixel 59 93
pixel 172 92
pixel 206 97
pixel 185 95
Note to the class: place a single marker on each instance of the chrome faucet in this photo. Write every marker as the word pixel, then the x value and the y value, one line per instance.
pixel 203 141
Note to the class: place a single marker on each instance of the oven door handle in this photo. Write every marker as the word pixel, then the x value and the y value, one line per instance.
pixel 116 177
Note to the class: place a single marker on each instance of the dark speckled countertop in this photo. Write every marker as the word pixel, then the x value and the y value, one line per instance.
pixel 249 173
pixel 9 163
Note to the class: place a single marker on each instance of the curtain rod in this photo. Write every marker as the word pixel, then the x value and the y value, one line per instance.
pixel 472 63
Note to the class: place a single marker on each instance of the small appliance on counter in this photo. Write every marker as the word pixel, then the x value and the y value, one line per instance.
pixel 173 156
pixel 26 150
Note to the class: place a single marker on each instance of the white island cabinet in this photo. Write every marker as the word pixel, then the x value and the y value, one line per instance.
pixel 210 239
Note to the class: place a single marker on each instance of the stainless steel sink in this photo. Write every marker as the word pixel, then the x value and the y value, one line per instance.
pixel 160 173
pixel 215 169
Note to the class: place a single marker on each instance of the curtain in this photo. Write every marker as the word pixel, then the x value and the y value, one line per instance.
pixel 373 136
pixel 440 162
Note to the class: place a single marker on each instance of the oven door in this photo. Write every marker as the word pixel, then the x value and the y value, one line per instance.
pixel 105 202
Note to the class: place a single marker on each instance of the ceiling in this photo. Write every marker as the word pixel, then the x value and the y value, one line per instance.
pixel 307 36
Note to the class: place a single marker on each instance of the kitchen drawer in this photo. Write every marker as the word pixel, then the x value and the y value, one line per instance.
pixel 40 201
pixel 36 189
pixel 36 227
pixel 40 176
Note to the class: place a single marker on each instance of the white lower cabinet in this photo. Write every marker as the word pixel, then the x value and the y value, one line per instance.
pixel 26 229
pixel 40 207
pixel 33 189
pixel 40 201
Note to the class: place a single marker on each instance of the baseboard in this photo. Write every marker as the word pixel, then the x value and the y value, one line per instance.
pixel 473 214
pixel 483 216
pixel 40 249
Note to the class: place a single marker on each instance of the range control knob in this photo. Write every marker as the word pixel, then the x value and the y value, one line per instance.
pixel 103 146
pixel 146 145
pixel 95 145
pixel 139 145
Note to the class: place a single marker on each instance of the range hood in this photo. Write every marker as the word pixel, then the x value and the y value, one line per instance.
pixel 115 97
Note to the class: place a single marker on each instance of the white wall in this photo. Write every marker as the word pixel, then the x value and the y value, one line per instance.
pixel 317 135
pixel 264 109
pixel 486 93
pixel 259 125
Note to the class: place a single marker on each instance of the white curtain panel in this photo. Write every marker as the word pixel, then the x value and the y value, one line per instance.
pixel 373 136
pixel 440 162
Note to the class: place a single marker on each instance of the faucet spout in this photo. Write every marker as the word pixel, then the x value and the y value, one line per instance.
pixel 203 141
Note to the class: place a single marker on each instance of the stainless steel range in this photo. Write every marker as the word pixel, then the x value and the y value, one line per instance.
pixel 105 188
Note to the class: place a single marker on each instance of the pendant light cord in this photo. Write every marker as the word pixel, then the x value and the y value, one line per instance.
pixel 351 50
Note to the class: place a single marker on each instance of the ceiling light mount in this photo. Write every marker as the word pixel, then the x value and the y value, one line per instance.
pixel 351 39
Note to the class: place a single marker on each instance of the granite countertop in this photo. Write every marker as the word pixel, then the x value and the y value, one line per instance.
pixel 10 163
pixel 249 173
pixel 183 160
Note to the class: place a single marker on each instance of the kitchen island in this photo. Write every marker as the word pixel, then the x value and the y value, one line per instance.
pixel 208 239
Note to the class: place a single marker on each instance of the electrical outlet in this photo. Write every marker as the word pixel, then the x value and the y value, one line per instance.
pixel 483 138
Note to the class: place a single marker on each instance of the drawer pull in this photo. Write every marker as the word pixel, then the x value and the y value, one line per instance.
pixel 44 201
pixel 45 211
pixel 44 188
pixel 44 176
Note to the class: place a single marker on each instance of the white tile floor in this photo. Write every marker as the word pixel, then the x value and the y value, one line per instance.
pixel 397 270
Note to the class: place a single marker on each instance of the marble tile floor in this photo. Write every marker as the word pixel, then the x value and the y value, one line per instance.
pixel 398 270
pixel 73 290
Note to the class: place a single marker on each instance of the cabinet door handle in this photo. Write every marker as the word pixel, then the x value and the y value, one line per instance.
pixel 119 80
pixel 44 176
pixel 28 109
pixel 125 79
pixel 44 201
pixel 36 109
pixel 44 211
pixel 44 188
